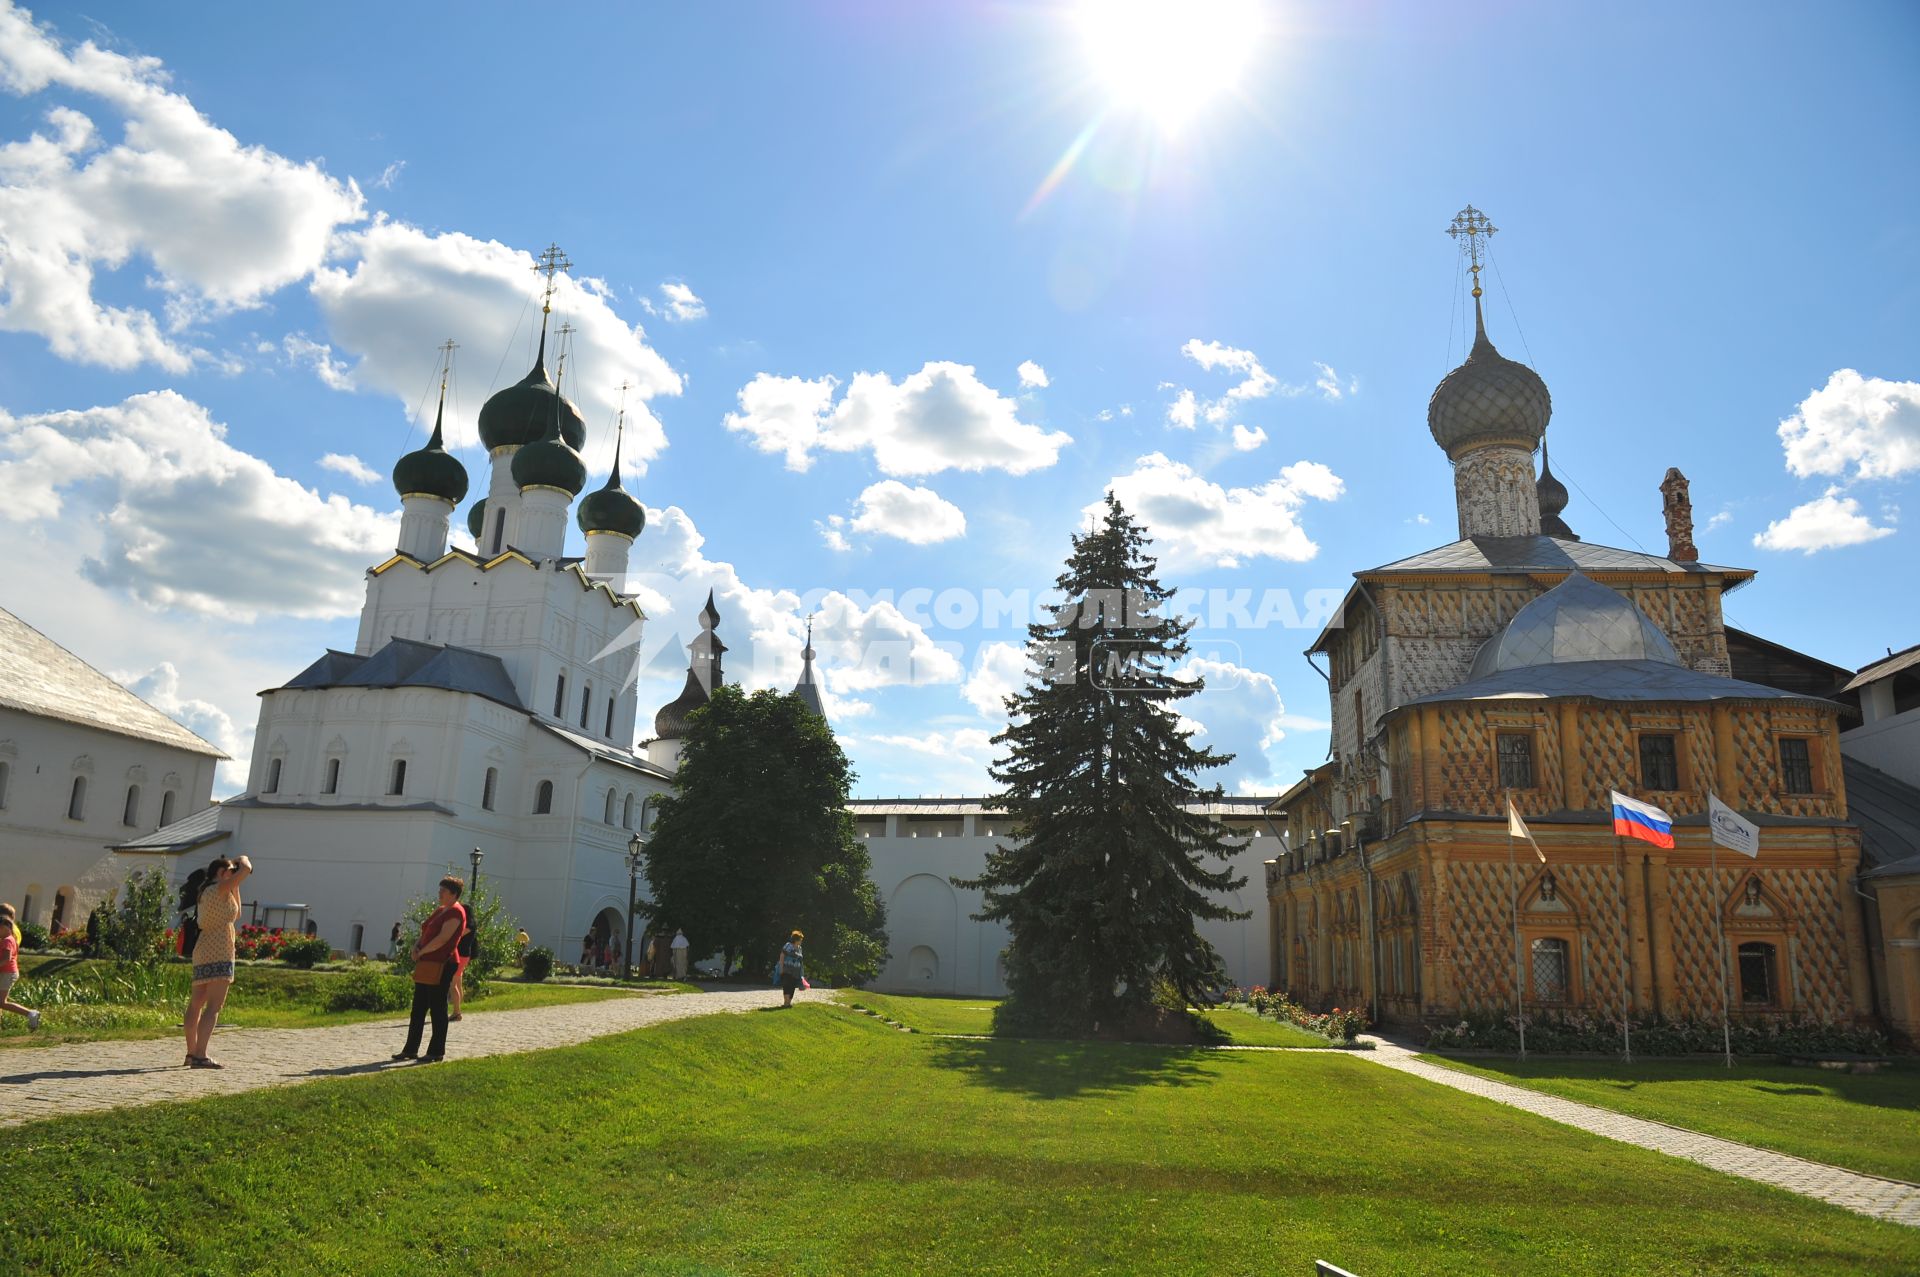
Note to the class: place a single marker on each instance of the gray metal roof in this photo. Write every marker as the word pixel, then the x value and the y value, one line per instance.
pixel 389 808
pixel 1545 554
pixel 1887 809
pixel 1226 805
pixel 1610 681
pixel 185 834
pixel 611 753
pixel 1577 620
pixel 1885 666
pixel 38 676
pixel 411 663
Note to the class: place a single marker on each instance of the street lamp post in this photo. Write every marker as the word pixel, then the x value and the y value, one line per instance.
pixel 636 848
pixel 473 883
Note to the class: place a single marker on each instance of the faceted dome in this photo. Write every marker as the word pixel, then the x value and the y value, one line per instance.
pixel 1577 620
pixel 477 518
pixel 671 722
pixel 431 471
pixel 521 413
pixel 1488 398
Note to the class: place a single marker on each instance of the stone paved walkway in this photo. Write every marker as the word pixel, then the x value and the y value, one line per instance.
pixel 40 1082
pixel 1889 1199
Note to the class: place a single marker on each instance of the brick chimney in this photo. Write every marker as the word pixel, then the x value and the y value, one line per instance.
pixel 1677 506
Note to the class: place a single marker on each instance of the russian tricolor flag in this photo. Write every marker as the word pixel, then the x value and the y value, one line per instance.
pixel 1635 819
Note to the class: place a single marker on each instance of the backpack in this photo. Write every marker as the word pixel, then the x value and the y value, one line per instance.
pixel 469 943
pixel 189 933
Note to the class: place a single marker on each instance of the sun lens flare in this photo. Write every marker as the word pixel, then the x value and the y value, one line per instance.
pixel 1168 59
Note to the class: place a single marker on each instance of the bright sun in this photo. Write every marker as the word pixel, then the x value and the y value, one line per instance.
pixel 1166 59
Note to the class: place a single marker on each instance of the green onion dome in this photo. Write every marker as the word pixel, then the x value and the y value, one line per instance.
pixel 610 509
pixel 431 471
pixel 550 463
pixel 477 519
pixel 520 414
pixel 1488 399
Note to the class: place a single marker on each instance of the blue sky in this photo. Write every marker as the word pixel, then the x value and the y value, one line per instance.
pixel 236 258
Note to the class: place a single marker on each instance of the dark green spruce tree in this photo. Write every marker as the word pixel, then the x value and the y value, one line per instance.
pixel 1113 867
pixel 756 840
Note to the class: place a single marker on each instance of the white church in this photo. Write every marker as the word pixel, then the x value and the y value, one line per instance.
pixel 486 708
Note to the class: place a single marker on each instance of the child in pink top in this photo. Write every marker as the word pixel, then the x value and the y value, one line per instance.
pixel 10 968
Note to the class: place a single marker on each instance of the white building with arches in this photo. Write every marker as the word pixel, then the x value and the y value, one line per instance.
pixel 84 764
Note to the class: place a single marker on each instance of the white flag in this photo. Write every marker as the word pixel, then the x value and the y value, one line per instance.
pixel 1731 829
pixel 1517 828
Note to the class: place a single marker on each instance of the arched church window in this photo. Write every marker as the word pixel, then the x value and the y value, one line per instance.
pixel 487 787
pixel 586 703
pixel 6 774
pixel 77 799
pixel 499 529
pixel 1759 975
pixel 166 808
pixel 130 814
pixel 398 784
pixel 273 777
pixel 62 902
pixel 607 816
pixel 333 777
pixel 543 798
pixel 559 695
pixel 609 731
pixel 1550 967
pixel 626 813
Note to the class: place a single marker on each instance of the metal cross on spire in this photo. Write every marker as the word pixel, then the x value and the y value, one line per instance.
pixel 1470 229
pixel 446 364
pixel 565 333
pixel 550 263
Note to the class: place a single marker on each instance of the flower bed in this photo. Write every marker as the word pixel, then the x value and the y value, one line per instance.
pixel 1338 1025
pixel 1599 1034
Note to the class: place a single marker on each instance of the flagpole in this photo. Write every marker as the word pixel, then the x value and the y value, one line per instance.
pixel 1626 956
pixel 1720 938
pixel 1519 968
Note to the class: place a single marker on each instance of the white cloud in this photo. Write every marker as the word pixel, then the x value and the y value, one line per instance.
pixel 1255 382
pixel 1197 523
pixel 1825 523
pixel 1868 424
pixel 940 418
pixel 1719 520
pixel 919 516
pixel 999 670
pixel 160 688
pixel 1238 712
pixel 399 291
pixel 389 175
pixel 1108 414
pixel 303 351
pixel 187 521
pixel 1184 411
pixel 1327 382
pixel 833 531
pixel 1245 440
pixel 1032 375
pixel 944 762
pixel 680 306
pixel 221 224
pixel 1420 519
pixel 351 466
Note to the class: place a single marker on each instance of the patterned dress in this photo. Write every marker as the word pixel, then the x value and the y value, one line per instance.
pixel 213 952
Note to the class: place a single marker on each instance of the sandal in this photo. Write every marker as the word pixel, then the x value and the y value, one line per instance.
pixel 202 1062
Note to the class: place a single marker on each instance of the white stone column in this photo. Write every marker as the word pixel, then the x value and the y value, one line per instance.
pixel 423 525
pixel 1493 487
pixel 542 531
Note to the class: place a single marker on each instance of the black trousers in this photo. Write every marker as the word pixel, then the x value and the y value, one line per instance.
pixel 430 999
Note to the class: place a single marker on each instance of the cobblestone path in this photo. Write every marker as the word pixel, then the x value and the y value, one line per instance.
pixel 86 1077
pixel 1888 1199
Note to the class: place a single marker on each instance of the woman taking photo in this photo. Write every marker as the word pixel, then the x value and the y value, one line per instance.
pixel 212 898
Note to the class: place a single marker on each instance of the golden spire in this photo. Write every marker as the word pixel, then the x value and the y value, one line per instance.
pixel 1469 229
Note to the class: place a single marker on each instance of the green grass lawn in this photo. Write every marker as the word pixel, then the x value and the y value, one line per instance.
pixel 975 1015
pixel 263 997
pixel 817 1142
pixel 1868 1123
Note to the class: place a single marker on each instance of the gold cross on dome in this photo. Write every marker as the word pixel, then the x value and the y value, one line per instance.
pixel 550 263
pixel 1470 229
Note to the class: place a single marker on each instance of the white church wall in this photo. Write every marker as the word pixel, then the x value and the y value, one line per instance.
pixel 43 852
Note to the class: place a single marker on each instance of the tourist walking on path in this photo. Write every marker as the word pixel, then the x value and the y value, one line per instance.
pixel 792 968
pixel 211 898
pixel 679 954
pixel 433 972
pixel 463 951
pixel 10 968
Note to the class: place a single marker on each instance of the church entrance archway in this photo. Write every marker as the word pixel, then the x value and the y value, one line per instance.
pixel 609 930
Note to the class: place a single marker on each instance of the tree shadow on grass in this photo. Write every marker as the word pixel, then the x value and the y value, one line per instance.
pixel 1053 1070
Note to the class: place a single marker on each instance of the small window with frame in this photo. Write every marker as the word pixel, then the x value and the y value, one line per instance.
pixel 1796 765
pixel 1759 975
pixel 1515 752
pixel 1659 761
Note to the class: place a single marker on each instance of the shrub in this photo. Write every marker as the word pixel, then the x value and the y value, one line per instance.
pixel 499 932
pixel 254 941
pixel 366 990
pixel 134 918
pixel 33 936
pixel 304 951
pixel 1577 1031
pixel 1337 1024
pixel 537 964
pixel 72 940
